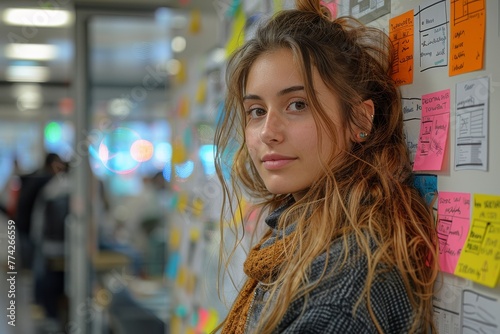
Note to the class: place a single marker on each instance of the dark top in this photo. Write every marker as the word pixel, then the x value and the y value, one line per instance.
pixel 330 306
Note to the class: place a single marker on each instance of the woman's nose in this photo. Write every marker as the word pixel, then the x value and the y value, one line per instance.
pixel 272 128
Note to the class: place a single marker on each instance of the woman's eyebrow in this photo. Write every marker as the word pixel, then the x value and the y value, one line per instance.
pixel 251 97
pixel 290 90
pixel 280 93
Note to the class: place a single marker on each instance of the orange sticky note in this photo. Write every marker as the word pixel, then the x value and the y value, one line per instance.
pixel 401 34
pixel 467 27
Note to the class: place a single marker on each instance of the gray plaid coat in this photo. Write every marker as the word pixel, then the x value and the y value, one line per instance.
pixel 329 308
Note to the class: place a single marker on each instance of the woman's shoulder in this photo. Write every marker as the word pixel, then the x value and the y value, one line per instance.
pixel 343 271
pixel 343 283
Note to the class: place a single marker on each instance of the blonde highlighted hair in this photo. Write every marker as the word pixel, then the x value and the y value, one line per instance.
pixel 366 191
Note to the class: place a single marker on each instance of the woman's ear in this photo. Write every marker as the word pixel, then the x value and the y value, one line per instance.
pixel 364 118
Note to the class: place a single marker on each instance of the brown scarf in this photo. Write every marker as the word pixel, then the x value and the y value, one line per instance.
pixel 260 266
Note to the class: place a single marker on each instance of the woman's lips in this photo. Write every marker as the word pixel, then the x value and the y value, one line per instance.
pixel 273 162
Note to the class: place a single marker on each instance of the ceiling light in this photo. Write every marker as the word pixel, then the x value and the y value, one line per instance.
pixel 120 107
pixel 178 44
pixel 30 51
pixel 37 17
pixel 28 96
pixel 20 73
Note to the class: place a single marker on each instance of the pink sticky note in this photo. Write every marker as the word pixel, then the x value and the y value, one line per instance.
pixel 433 131
pixel 203 316
pixel 452 227
pixel 332 7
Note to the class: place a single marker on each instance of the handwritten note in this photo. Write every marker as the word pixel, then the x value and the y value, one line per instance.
pixel 467 21
pixel 433 34
pixel 433 131
pixel 452 227
pixel 471 134
pixel 412 115
pixel 401 34
pixel 480 257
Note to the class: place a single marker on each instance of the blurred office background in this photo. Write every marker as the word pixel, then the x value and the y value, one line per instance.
pixel 107 114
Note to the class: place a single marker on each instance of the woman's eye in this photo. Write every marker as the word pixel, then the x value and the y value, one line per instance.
pixel 297 105
pixel 256 112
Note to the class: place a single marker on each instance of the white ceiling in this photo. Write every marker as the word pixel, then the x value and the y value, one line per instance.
pixel 136 44
pixel 206 6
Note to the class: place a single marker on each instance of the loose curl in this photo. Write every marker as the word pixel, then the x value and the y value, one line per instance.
pixel 366 191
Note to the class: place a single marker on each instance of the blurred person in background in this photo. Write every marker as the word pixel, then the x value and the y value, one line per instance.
pixel 30 186
pixel 10 193
pixel 47 233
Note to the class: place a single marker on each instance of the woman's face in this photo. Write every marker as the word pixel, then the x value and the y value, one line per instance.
pixel 281 134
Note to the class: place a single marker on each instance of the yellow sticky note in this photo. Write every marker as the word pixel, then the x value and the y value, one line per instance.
pixel 183 201
pixel 179 154
pixel 237 36
pixel 480 257
pixel 182 277
pixel 190 283
pixel 213 320
pixel 175 238
pixel 175 325
pixel 181 75
pixel 195 24
pixel 201 92
pixel 198 206
pixel 240 213
pixel 184 107
pixel 278 5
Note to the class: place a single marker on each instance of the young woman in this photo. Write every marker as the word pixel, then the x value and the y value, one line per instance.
pixel 350 243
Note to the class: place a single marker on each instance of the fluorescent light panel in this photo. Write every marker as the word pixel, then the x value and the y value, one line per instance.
pixel 31 51
pixel 37 17
pixel 19 73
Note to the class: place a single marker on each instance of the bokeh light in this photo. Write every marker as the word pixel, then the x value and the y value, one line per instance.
pixel 115 151
pixel 141 150
pixel 184 170
pixel 53 132
pixel 207 158
pixel 162 154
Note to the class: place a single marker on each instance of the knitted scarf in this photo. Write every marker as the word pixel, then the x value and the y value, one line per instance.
pixel 261 265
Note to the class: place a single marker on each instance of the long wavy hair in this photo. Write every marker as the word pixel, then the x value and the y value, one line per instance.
pixel 366 191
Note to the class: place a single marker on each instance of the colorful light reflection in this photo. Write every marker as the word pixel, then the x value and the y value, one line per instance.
pixel 115 151
pixel 184 170
pixel 207 158
pixel 141 150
